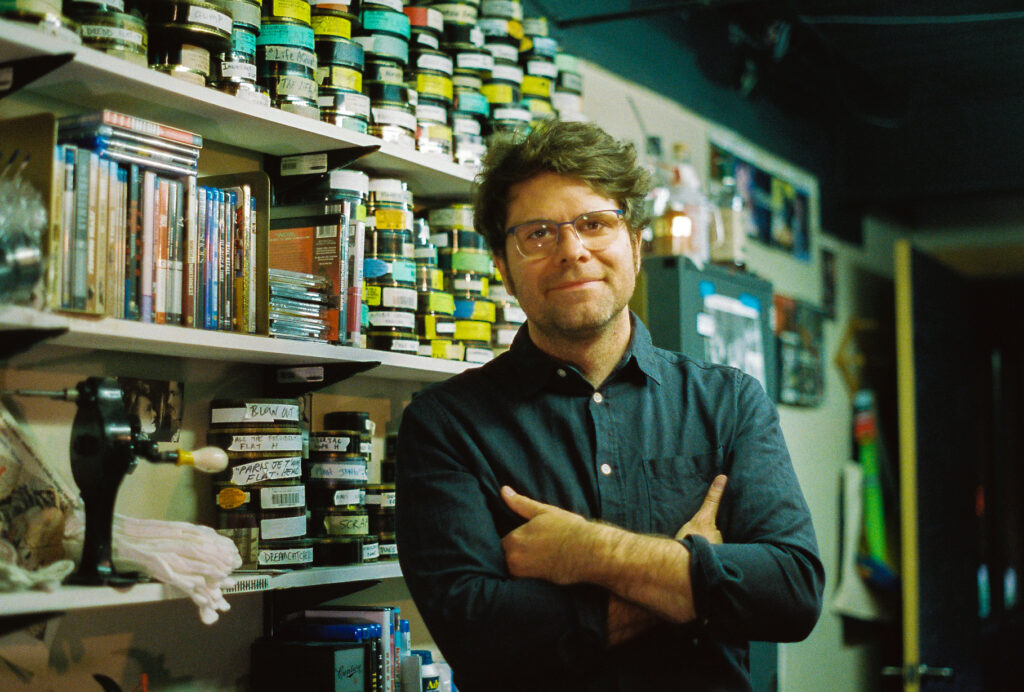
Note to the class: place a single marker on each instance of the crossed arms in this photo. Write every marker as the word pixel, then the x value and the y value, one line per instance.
pixel 647 577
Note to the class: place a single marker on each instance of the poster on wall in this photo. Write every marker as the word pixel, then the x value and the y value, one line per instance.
pixel 779 208
pixel 731 328
pixel 798 328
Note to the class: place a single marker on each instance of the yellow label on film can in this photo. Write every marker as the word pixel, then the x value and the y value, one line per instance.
pixel 497 93
pixel 471 330
pixel 372 295
pixel 435 85
pixel 298 10
pixel 326 25
pixel 393 219
pixel 340 77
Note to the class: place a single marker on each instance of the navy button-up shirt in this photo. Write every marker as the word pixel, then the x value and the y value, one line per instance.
pixel 639 452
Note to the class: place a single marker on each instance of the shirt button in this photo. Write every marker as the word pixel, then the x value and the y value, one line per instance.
pixel 560 372
pixel 598 398
pixel 606 469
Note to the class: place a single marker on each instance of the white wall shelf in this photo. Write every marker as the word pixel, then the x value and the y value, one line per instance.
pixel 81 597
pixel 125 336
pixel 94 80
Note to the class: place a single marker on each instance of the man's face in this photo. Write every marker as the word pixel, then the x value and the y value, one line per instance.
pixel 574 292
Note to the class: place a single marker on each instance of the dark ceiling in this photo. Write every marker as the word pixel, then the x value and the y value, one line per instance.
pixel 893 105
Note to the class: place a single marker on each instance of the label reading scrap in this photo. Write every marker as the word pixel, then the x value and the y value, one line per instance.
pixel 342 525
pixel 279 469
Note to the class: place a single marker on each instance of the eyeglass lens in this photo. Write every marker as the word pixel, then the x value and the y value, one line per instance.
pixel 595 230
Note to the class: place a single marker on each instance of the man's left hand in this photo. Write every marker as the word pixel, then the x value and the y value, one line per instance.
pixel 547 545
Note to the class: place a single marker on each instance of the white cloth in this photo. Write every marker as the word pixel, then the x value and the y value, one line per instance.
pixel 16 578
pixel 194 559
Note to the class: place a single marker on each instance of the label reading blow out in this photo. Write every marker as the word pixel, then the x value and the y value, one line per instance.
pixel 255 413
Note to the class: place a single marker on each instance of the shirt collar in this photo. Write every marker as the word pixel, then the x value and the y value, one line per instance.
pixel 530 368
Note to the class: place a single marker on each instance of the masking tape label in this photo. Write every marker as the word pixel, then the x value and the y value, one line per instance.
pixel 280 469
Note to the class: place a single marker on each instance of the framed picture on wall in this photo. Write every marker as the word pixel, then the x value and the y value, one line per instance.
pixel 798 328
pixel 778 203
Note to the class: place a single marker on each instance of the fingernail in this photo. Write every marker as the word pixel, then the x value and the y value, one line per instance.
pixel 719 482
pixel 507 491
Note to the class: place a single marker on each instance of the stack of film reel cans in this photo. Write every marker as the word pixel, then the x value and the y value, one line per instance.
pixel 340 499
pixel 463 41
pixel 501 24
pixel 538 53
pixel 384 35
pixel 260 497
pixel 234 72
pixel 108 28
pixel 339 72
pixel 286 57
pixel 439 77
pixel 389 268
pixel 388 473
pixel 46 16
pixel 509 317
pixel 431 70
pixel 468 268
pixel 435 314
pixel 185 36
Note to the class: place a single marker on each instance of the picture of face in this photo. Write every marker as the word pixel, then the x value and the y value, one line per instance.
pixel 157 404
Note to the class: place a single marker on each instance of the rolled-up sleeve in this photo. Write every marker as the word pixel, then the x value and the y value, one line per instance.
pixel 765 582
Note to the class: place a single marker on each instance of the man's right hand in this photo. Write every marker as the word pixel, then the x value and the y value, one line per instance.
pixel 703 522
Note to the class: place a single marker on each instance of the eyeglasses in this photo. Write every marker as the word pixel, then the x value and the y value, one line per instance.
pixel 595 230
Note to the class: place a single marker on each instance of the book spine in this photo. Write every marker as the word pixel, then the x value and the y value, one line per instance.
pixel 134 243
pixel 174 229
pixel 344 232
pixel 227 211
pixel 239 312
pixel 160 248
pixel 355 286
pixel 254 279
pixel 147 261
pixel 202 228
pixel 191 257
pixel 147 127
pixel 102 234
pixel 72 133
pixel 91 290
pixel 122 246
pixel 212 259
pixel 67 231
pixel 80 255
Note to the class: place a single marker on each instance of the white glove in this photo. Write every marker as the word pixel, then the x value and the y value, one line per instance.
pixel 195 559
pixel 48 578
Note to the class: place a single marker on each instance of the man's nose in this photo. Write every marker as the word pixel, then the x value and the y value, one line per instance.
pixel 569 242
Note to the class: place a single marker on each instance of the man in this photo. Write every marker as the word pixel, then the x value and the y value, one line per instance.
pixel 542 495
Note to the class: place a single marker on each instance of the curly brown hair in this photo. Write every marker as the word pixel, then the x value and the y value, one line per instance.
pixel 579 150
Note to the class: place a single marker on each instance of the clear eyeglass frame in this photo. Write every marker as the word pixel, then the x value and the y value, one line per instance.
pixel 594 229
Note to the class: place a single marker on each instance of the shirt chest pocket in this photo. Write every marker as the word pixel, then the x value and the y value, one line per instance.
pixel 677 486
